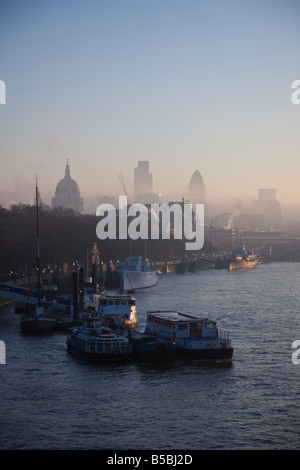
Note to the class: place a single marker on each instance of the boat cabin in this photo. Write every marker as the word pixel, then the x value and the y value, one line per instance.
pixel 176 326
pixel 134 263
pixel 118 310
pixel 91 322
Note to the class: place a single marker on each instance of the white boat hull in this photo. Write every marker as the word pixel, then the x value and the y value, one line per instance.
pixel 134 280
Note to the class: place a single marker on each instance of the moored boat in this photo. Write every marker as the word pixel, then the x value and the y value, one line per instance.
pixel 148 348
pixel 194 336
pixel 116 310
pixel 95 343
pixel 136 274
pixel 241 259
pixel 222 263
pixel 39 322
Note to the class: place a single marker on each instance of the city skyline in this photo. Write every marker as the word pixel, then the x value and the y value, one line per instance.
pixel 67 194
pixel 186 86
pixel 262 213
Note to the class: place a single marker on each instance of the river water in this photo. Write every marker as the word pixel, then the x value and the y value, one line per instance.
pixel 49 400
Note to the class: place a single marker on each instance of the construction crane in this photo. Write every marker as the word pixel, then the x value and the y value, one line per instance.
pixel 121 179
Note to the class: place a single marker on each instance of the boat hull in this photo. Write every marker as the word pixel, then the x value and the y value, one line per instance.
pixel 218 354
pixel 238 265
pixel 155 351
pixel 96 358
pixel 221 263
pixel 135 280
pixel 195 337
pixel 37 325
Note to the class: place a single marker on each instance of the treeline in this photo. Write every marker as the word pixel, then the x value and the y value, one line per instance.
pixel 66 238
pixel 63 236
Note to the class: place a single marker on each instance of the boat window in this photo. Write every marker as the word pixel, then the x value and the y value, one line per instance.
pixel 182 327
pixel 209 325
pixel 196 329
pixel 123 302
pixel 117 302
pixel 103 302
pixel 110 302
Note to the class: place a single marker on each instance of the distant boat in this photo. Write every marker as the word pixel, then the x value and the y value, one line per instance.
pixel 97 344
pixel 195 337
pixel 136 274
pixel 241 259
pixel 222 262
pixel 39 321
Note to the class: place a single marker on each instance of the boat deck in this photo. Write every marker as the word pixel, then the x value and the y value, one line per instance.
pixel 175 317
pixel 134 335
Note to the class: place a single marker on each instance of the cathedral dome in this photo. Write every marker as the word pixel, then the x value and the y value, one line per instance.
pixel 67 193
pixel 67 186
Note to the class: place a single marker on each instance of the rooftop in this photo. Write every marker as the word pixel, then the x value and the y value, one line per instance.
pixel 175 317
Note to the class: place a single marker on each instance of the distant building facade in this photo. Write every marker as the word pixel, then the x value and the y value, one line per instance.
pixel 220 238
pixel 143 185
pixel 67 194
pixel 197 191
pixel 263 214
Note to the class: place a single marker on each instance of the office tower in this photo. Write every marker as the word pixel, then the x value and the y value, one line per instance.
pixel 143 185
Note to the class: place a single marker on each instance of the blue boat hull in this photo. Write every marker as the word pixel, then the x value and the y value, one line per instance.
pixel 154 351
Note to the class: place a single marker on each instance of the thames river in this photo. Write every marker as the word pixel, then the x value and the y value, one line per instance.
pixel 49 400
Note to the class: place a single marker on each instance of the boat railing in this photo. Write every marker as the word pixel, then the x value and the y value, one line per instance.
pixel 223 334
pixel 102 347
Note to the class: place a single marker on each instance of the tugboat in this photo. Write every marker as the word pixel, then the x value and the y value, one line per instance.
pixel 194 337
pixel 97 344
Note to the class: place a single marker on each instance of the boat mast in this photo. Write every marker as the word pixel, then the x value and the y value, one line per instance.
pixel 38 243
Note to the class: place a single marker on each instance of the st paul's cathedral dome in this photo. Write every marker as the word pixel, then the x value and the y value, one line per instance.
pixel 67 194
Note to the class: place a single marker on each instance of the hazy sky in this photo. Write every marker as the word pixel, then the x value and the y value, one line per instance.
pixel 189 84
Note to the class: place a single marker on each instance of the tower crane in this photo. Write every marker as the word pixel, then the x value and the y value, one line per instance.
pixel 121 179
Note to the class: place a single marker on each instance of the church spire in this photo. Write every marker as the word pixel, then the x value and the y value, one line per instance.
pixel 67 170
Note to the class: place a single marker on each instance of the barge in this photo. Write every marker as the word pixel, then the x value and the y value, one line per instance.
pixel 194 336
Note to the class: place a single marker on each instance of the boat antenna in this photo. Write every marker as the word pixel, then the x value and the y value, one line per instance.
pixel 38 242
